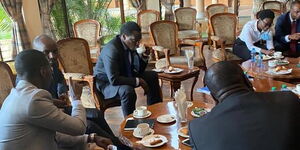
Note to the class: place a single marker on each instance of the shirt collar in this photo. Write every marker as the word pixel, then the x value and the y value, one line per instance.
pixel 291 19
pixel 124 45
pixel 255 26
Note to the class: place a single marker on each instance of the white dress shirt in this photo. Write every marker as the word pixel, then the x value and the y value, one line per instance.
pixel 287 36
pixel 250 35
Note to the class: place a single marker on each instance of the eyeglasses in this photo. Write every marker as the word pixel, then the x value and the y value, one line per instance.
pixel 267 24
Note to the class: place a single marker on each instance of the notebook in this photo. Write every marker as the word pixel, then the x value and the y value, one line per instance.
pixel 132 124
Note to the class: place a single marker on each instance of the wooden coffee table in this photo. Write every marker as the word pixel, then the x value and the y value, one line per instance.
pixel 175 79
pixel 257 72
pixel 168 130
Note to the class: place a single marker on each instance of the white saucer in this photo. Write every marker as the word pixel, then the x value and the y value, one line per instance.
pixel 196 115
pixel 158 70
pixel 140 117
pixel 182 134
pixel 168 118
pixel 175 70
pixel 281 72
pixel 278 57
pixel 148 139
pixel 140 136
pixel 189 104
pixel 294 90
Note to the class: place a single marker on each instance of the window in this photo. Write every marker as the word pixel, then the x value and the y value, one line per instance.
pixel 5 35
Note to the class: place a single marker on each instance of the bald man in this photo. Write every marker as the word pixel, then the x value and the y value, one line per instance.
pixel 244 119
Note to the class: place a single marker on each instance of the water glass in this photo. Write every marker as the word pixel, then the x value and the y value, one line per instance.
pixel 190 58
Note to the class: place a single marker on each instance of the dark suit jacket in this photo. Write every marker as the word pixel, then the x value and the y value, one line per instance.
pixel 111 70
pixel 283 28
pixel 250 121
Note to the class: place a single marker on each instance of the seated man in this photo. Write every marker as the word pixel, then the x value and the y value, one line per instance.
pixel 96 122
pixel 120 69
pixel 244 119
pixel 288 31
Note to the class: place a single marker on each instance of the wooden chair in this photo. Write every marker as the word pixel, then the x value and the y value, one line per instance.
pixel 188 27
pixel 89 30
pixel 276 5
pixel 224 31
pixel 165 35
pixel 74 57
pixel 210 11
pixel 144 19
pixel 7 81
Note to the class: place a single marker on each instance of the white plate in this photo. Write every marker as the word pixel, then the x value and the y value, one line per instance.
pixel 140 117
pixel 175 70
pixel 189 104
pixel 196 115
pixel 294 90
pixel 139 136
pixel 267 57
pixel 158 70
pixel 182 134
pixel 282 62
pixel 150 138
pixel 166 118
pixel 278 57
pixel 281 72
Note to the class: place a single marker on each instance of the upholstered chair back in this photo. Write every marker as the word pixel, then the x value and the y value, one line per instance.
pixel 215 9
pixel 145 18
pixel 273 5
pixel 6 81
pixel 224 25
pixel 185 18
pixel 74 56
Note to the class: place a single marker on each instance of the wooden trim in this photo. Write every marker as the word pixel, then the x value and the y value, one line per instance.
pixel 122 11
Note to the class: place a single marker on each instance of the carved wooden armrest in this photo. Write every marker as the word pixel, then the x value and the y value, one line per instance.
pixel 167 56
pixel 157 49
pixel 219 41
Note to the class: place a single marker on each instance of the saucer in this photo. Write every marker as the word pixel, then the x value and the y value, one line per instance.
pixel 166 118
pixel 174 71
pixel 151 131
pixel 180 132
pixel 140 117
pixel 146 141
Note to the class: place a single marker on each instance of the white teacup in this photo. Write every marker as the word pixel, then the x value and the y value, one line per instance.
pixel 278 54
pixel 141 111
pixel 141 49
pixel 142 129
pixel 298 87
pixel 272 63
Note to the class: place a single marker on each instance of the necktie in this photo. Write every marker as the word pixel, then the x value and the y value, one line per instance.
pixel 293 43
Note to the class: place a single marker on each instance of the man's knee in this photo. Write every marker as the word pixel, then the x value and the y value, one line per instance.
pixel 150 76
pixel 126 90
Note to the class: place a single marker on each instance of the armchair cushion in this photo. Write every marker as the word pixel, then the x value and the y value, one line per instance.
pixel 75 76
pixel 217 54
pixel 188 34
pixel 178 60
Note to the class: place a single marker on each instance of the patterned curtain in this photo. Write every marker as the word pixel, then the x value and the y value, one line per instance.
pixel 20 36
pixel 138 4
pixel 45 10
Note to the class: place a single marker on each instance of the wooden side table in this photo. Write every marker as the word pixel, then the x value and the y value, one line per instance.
pixel 175 79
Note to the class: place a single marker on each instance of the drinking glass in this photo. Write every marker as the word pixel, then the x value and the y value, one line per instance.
pixel 190 58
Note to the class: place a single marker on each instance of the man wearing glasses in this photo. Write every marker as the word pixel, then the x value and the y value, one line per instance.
pixel 288 31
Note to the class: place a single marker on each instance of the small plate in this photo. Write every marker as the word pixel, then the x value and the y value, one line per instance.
pixel 180 133
pixel 294 90
pixel 278 57
pixel 166 118
pixel 282 62
pixel 139 136
pixel 140 117
pixel 281 72
pixel 150 138
pixel 158 70
pixel 174 71
pixel 204 112
pixel 189 104
pixel 267 57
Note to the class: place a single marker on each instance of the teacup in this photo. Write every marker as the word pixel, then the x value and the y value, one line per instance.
pixel 141 49
pixel 298 87
pixel 272 63
pixel 142 129
pixel 141 111
pixel 278 54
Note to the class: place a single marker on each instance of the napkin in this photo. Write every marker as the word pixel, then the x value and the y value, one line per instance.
pixel 180 98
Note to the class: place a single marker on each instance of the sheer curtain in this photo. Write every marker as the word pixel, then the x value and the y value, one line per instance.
pixel 45 10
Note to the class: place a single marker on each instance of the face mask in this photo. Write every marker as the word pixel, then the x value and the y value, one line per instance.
pixel 265 36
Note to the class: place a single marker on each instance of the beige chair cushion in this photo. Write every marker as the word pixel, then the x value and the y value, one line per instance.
pixel 75 76
pixel 188 34
pixel 178 60
pixel 229 55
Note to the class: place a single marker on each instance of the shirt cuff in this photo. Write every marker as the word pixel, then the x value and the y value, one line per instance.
pixel 287 38
pixel 76 103
pixel 85 137
pixel 137 81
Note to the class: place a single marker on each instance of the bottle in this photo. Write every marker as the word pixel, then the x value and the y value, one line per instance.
pixel 253 55
pixel 273 89
pixel 284 88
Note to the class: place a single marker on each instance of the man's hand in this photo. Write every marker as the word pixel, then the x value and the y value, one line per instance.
pixel 267 52
pixel 102 142
pixel 75 89
pixel 144 85
pixel 295 36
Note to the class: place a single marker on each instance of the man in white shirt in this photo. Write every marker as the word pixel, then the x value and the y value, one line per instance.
pixel 28 118
pixel 252 35
pixel 287 33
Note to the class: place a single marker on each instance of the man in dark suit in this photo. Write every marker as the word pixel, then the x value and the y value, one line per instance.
pixel 287 31
pixel 244 119
pixel 120 69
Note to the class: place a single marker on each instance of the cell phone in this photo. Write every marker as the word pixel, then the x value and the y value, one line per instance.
pixel 187 142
